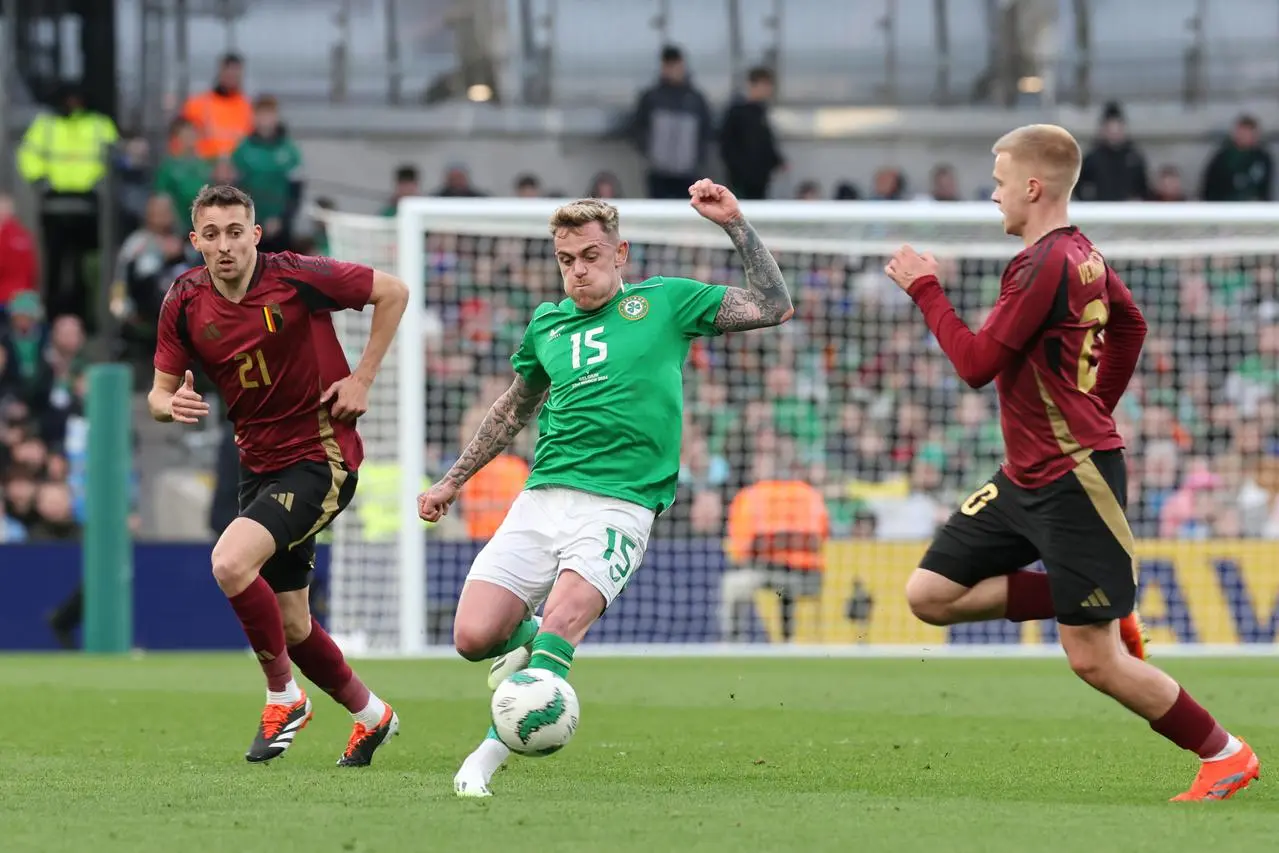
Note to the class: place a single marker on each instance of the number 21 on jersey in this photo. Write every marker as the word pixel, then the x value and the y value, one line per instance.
pixel 589 341
pixel 253 372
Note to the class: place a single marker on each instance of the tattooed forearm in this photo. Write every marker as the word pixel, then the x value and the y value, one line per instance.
pixel 764 301
pixel 510 414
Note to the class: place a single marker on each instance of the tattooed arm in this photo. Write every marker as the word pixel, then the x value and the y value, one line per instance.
pixel 511 413
pixel 764 301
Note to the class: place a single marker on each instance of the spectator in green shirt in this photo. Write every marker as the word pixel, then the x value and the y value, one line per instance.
pixel 182 173
pixel 269 166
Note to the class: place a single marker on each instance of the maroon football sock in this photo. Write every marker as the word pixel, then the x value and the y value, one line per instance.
pixel 1029 597
pixel 1191 727
pixel 321 660
pixel 259 615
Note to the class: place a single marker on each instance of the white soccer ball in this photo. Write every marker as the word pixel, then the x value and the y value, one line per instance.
pixel 535 712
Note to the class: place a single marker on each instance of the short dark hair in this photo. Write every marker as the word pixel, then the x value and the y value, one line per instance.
pixel 406 173
pixel 230 58
pixel 1249 121
pixel 760 74
pixel 527 180
pixel 221 195
pixel 671 53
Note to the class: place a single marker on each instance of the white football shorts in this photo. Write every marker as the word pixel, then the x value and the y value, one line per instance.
pixel 549 530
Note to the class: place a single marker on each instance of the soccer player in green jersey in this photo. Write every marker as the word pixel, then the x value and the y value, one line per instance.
pixel 605 366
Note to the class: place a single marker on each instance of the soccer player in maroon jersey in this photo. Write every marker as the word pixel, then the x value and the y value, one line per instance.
pixel 260 326
pixel 1061 492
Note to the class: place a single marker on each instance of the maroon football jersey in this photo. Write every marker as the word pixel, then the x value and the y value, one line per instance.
pixel 271 355
pixel 1054 300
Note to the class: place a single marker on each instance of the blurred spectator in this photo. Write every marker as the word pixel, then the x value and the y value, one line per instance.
pixel 672 127
pixel 1188 512
pixel 64 157
pixel 748 145
pixel 1241 169
pixel 268 166
pixel 1168 184
pixel 223 115
pixel 917 513
pixel 889 184
pixel 457 183
pixel 847 191
pixel 944 185
pixel 408 182
pixel 604 185
pixel 182 173
pixel 58 392
pixel 528 186
pixel 132 165
pixel 808 191
pixel 148 262
pixel 1115 169
pixel 223 172
pixel 1256 378
pixel 25 341
pixel 18 260
pixel 777 532
pixel 55 520
pixel 319 228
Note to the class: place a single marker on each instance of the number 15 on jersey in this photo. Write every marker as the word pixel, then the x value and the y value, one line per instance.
pixel 588 340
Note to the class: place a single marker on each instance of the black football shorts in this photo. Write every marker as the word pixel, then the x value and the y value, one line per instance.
pixel 295 504
pixel 1075 524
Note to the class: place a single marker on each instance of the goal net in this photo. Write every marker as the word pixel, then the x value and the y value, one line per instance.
pixel 853 398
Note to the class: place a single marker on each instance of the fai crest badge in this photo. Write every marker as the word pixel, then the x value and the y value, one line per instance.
pixel 633 308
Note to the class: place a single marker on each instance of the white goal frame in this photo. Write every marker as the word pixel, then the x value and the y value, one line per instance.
pixel 967 229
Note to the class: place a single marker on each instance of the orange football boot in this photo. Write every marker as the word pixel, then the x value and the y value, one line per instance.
pixel 1223 778
pixel 1132 631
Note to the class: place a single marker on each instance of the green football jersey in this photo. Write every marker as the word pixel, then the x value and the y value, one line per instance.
pixel 613 421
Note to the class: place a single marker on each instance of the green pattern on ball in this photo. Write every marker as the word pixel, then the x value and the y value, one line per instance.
pixel 540 718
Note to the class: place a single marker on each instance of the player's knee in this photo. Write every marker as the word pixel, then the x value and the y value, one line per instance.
pixel 926 602
pixel 1094 663
pixel 473 642
pixel 296 630
pixel 232 574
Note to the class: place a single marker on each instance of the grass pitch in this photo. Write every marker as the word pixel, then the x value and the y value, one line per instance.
pixel 672 755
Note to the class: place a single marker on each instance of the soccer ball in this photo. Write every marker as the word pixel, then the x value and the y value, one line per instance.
pixel 535 712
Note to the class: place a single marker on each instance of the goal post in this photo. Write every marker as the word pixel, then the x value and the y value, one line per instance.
pixel 852 397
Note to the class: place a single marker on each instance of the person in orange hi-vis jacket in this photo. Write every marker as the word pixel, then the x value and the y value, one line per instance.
pixel 777 532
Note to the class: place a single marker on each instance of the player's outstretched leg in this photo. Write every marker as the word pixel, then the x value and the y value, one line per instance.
pixel 1021 596
pixel 313 650
pixel 491 621
pixel 1227 765
pixel 571 609
pixel 237 560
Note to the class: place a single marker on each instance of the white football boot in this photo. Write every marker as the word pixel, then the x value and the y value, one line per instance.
pixel 511 662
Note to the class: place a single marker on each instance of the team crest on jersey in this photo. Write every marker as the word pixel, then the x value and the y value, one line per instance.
pixel 633 308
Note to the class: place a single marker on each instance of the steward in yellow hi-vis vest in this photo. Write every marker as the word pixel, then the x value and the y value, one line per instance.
pixel 65 155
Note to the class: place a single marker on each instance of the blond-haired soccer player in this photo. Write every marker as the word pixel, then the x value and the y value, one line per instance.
pixel 1061 492
pixel 606 367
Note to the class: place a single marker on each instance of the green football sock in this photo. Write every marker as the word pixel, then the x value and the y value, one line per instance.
pixel 492 734
pixel 524 632
pixel 553 652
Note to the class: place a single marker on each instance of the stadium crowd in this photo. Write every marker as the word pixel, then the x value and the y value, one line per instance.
pixel 852 397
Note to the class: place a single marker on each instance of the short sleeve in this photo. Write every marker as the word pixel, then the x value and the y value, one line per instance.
pixel 333 284
pixel 1026 295
pixel 171 354
pixel 694 305
pixel 526 362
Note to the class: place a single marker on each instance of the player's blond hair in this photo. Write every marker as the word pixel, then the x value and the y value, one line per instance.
pixel 1051 152
pixel 584 211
